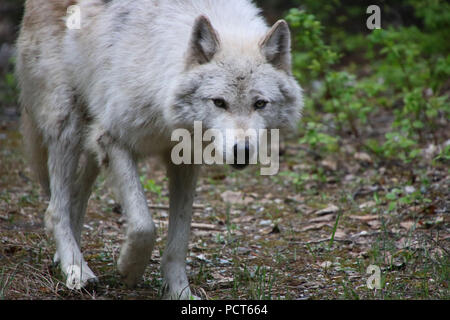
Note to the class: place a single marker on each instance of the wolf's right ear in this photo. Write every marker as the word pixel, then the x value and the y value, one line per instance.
pixel 204 42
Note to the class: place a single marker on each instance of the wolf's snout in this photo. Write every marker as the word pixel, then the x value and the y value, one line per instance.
pixel 241 154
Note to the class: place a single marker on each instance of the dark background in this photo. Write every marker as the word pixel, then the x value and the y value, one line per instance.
pixel 346 15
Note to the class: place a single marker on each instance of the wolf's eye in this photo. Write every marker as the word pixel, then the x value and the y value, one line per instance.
pixel 260 104
pixel 220 103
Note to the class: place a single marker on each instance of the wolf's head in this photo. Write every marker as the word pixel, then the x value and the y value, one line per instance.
pixel 234 89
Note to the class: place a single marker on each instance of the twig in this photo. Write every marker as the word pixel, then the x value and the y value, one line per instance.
pixel 164 207
pixel 201 226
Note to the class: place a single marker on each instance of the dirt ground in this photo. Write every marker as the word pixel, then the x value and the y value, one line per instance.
pixel 308 236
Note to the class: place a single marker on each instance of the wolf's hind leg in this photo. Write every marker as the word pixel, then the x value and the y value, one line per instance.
pixel 141 231
pixel 182 182
pixel 63 156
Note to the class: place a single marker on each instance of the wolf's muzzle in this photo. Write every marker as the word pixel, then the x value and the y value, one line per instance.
pixel 238 163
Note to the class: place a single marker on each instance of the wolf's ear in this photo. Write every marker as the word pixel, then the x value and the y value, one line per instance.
pixel 276 46
pixel 204 42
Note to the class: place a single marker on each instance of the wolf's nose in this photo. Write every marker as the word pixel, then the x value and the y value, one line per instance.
pixel 239 161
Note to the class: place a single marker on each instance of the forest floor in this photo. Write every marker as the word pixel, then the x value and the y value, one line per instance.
pixel 308 235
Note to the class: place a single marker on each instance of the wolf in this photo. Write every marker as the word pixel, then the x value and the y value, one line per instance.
pixel 110 93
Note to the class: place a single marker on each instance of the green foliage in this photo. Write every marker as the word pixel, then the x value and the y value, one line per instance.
pixel 317 139
pixel 151 186
pixel 8 89
pixel 312 57
pixel 401 79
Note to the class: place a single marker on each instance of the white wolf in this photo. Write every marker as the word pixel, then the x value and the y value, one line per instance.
pixel 113 91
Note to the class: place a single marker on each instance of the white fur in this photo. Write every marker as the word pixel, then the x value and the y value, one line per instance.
pixel 114 91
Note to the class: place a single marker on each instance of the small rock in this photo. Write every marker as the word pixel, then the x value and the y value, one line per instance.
pixel 265 222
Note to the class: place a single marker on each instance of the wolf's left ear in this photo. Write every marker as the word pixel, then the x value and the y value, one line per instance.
pixel 276 46
pixel 204 43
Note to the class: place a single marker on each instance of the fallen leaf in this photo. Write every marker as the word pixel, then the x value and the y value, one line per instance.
pixel 368 204
pixel 326 218
pixel 304 209
pixel 233 197
pixel 329 164
pixel 374 224
pixel 295 199
pixel 407 224
pixel 316 226
pixel 364 218
pixel 328 210
pixel 340 234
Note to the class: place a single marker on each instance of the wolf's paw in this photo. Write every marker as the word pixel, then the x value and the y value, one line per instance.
pixel 178 296
pixel 77 278
pixel 131 277
pixel 135 255
pixel 131 273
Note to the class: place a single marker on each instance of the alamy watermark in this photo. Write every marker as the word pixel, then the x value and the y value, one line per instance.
pixel 230 146
pixel 374 281
pixel 73 18
pixel 374 20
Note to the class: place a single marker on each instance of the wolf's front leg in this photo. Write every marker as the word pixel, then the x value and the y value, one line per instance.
pixel 182 182
pixel 141 232
pixel 62 165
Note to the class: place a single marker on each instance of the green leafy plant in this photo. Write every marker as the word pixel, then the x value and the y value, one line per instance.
pixel 406 69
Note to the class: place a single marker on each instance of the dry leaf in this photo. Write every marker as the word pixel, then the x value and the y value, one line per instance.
pixel 364 218
pixel 368 204
pixel 326 218
pixel 316 226
pixel 235 198
pixel 405 243
pixel 329 210
pixel 407 224
pixel 340 234
pixel 329 164
pixel 374 224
